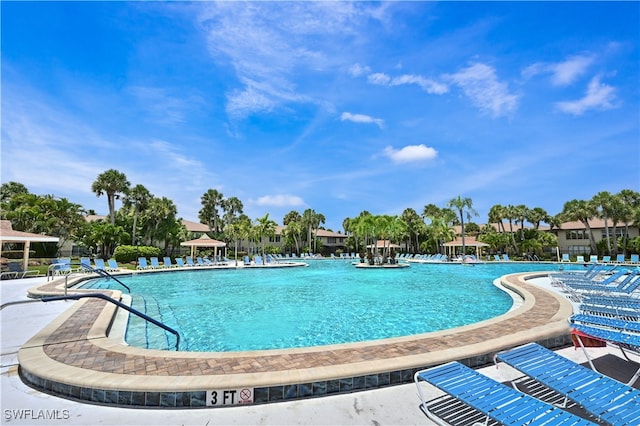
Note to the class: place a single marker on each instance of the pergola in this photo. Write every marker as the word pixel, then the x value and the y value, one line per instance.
pixel 468 242
pixel 203 241
pixel 8 235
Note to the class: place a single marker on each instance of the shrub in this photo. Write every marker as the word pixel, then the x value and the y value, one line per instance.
pixel 126 254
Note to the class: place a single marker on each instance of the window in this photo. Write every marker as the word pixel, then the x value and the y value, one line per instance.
pixel 577 234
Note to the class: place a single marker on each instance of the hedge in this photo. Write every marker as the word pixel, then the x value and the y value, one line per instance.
pixel 126 254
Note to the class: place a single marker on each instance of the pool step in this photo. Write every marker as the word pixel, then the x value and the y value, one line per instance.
pixel 144 334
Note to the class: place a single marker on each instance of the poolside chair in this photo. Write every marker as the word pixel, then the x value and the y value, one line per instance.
pixel 579 259
pixel 200 261
pixel 497 258
pixel 99 264
pixel 63 266
pixel 180 262
pixel 155 264
pixel 85 263
pixel 493 400
pixel 620 258
pixel 603 397
pixel 635 258
pixel 14 270
pixel 190 261
pixel 142 263
pixel 167 262
pixel 246 261
pixel 606 259
pixel 112 265
pixel 565 257
pixel 593 258
pixel 505 257
pixel 257 260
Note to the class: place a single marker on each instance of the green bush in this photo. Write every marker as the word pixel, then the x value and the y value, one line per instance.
pixel 126 254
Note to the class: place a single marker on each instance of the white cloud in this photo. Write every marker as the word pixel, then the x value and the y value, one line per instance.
pixel 270 46
pixel 480 83
pixel 411 153
pixel 562 73
pixel 361 118
pixel 428 85
pixel 279 200
pixel 599 96
pixel 357 70
pixel 379 78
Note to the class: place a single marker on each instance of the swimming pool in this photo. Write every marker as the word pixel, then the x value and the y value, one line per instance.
pixel 326 303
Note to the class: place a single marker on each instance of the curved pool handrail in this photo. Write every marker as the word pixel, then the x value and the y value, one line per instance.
pixel 120 305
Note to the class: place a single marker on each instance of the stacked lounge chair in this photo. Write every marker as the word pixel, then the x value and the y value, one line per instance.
pixel 493 400
pixel 606 399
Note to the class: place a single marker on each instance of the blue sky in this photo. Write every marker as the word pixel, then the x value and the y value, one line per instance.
pixel 338 107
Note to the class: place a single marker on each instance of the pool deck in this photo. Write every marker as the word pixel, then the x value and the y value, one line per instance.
pixel 73 356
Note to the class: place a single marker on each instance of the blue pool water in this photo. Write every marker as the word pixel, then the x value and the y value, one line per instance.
pixel 328 302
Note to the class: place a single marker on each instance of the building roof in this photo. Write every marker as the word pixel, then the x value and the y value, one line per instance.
pixel 469 241
pixel 8 235
pixel 195 226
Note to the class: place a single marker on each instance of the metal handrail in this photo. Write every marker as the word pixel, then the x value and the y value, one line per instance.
pixel 105 274
pixel 85 266
pixel 119 304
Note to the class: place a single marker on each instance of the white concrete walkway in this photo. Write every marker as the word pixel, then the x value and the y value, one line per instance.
pixel 22 405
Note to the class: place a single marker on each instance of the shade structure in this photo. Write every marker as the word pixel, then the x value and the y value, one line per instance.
pixel 382 244
pixel 203 241
pixel 469 241
pixel 8 235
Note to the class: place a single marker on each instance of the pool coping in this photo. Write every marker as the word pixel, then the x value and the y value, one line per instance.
pixel 74 357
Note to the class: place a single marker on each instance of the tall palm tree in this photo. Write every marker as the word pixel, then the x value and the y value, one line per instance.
pixel 138 199
pixel 113 183
pixel 582 211
pixel 232 207
pixel 603 202
pixel 630 204
pixel 264 227
pixel 414 225
pixel 209 214
pixel 464 207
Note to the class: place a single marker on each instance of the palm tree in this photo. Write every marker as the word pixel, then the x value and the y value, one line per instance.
pixel 264 227
pixel 464 206
pixel 113 183
pixel 232 207
pixel 630 204
pixel 138 198
pixel 603 204
pixel 496 214
pixel 312 220
pixel 209 214
pixel 582 211
pixel 537 215
pixel 414 225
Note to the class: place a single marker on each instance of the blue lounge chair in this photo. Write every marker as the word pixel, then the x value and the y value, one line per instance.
pixel 99 264
pixel 565 257
pixel 494 400
pixel 14 270
pixel 85 263
pixel 505 257
pixel 635 258
pixel 190 261
pixel 620 258
pixel 603 397
pixel 155 264
pixel 246 261
pixel 167 262
pixel 142 263
pixel 180 262
pixel 593 258
pixel 113 265
pixel 579 259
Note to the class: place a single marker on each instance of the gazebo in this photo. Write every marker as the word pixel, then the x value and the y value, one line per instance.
pixel 8 235
pixel 204 241
pixel 468 242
